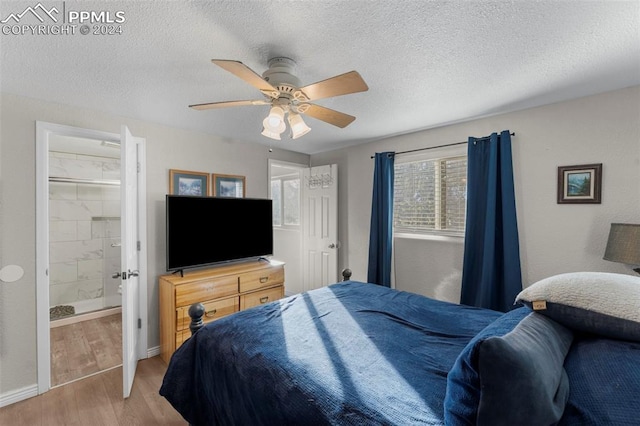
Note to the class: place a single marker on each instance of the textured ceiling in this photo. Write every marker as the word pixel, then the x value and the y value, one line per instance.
pixel 427 63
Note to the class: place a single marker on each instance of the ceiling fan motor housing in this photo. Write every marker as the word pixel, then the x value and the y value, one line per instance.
pixel 281 75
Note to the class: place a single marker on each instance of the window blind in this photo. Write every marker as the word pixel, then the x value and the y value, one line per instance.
pixel 430 196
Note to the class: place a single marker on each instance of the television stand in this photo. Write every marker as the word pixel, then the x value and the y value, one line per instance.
pixel 222 290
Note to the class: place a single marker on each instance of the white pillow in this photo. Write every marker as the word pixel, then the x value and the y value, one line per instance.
pixel 595 302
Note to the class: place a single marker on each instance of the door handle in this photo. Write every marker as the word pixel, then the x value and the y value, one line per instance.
pixel 124 275
pixel 334 245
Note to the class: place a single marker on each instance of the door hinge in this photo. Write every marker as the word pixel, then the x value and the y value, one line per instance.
pixel 139 322
pixel 138 167
pixel 138 245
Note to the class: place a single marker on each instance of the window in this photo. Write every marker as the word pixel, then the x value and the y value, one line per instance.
pixel 430 196
pixel 285 193
pixel 276 197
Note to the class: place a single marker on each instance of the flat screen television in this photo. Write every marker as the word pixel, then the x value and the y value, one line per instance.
pixel 205 231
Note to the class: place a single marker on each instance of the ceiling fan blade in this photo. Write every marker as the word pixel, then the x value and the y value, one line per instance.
pixel 342 84
pixel 327 115
pixel 213 105
pixel 239 69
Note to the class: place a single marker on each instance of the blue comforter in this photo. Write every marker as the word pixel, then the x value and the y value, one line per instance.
pixel 348 354
pixel 361 354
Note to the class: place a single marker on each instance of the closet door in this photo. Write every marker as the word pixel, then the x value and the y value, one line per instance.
pixel 320 226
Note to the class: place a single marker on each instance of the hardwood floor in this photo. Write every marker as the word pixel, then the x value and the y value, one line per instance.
pixel 97 400
pixel 84 348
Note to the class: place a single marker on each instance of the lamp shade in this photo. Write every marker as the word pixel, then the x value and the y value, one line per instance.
pixel 268 133
pixel 298 126
pixel 275 120
pixel 623 245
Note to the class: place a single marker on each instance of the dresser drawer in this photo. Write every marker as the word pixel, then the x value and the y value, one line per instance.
pixel 261 297
pixel 218 289
pixel 181 336
pixel 213 310
pixel 187 294
pixel 259 279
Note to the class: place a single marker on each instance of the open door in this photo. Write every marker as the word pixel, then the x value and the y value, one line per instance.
pixel 320 226
pixel 130 259
pixel 133 248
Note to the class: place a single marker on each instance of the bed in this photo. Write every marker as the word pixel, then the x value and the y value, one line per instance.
pixel 360 354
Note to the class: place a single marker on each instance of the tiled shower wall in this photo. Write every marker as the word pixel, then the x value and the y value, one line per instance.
pixel 84 232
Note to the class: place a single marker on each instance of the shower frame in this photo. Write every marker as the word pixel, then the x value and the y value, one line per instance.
pixel 110 261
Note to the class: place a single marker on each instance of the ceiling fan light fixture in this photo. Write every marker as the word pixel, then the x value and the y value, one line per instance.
pixel 298 126
pixel 279 127
pixel 275 120
pixel 268 133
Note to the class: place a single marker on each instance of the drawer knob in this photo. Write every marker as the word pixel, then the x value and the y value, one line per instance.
pixel 264 279
pixel 264 299
pixel 210 313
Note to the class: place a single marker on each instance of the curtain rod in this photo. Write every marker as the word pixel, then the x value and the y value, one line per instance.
pixel 440 146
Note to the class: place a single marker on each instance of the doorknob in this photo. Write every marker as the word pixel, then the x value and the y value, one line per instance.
pixel 334 245
pixel 124 275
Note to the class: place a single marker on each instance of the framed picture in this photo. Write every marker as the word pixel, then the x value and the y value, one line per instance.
pixel 580 184
pixel 228 186
pixel 182 182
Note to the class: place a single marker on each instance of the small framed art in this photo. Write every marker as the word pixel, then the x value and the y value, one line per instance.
pixel 581 184
pixel 228 186
pixel 182 182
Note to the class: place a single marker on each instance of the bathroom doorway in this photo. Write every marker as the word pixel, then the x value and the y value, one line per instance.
pixel 85 303
pixel 86 320
pixel 84 226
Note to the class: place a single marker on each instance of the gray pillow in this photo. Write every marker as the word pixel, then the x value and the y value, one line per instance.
pixel 522 378
pixel 594 302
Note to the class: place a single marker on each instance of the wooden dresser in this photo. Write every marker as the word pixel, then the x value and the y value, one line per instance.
pixel 222 290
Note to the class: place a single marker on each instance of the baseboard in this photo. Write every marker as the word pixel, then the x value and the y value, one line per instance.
pixel 18 395
pixel 155 351
pixel 31 391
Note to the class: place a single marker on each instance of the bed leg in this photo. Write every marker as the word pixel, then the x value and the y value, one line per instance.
pixel 196 312
pixel 346 274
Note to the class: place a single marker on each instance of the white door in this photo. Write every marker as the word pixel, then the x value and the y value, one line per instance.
pixel 130 260
pixel 320 226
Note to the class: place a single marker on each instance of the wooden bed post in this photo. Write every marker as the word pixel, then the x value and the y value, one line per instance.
pixel 346 274
pixel 196 311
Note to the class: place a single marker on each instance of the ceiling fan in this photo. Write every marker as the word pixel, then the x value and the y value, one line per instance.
pixel 282 91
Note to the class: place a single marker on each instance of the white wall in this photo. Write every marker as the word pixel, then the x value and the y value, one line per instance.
pixel 553 238
pixel 287 247
pixel 167 148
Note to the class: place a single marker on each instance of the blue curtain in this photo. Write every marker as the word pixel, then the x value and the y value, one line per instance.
pixel 380 236
pixel 491 276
